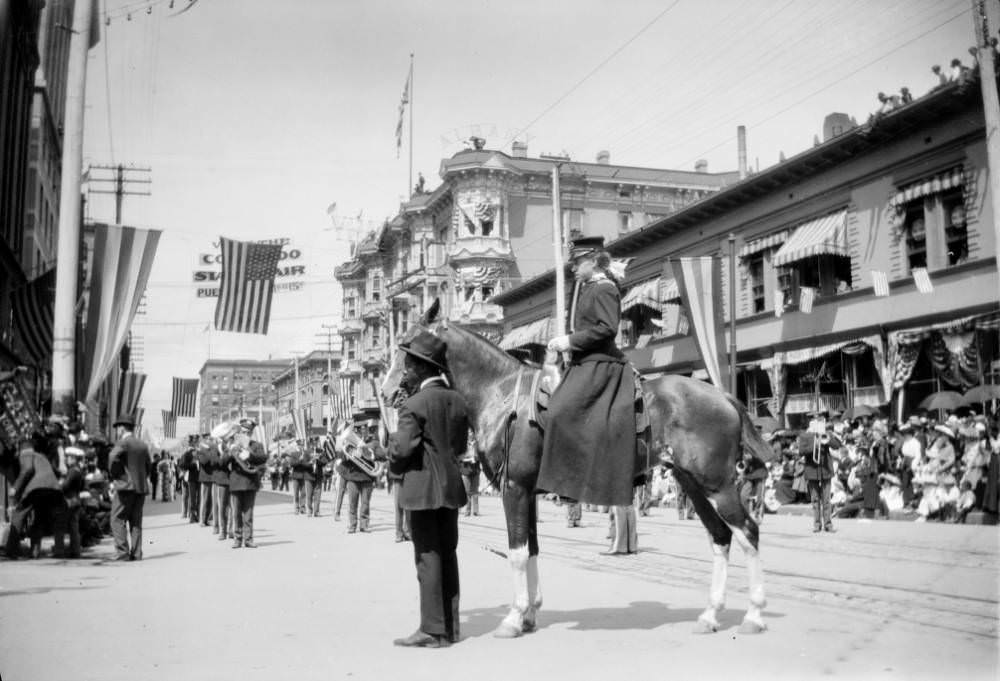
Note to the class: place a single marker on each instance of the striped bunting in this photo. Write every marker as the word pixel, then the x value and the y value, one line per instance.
pixel 807 294
pixel 700 285
pixel 184 397
pixel 32 308
pixel 130 393
pixel 169 423
pixel 247 286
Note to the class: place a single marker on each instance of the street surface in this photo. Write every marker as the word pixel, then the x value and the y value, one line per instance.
pixel 876 600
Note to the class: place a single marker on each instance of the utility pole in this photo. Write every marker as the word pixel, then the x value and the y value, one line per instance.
pixel 986 19
pixel 330 332
pixel 67 249
pixel 119 180
pixel 732 314
pixel 558 245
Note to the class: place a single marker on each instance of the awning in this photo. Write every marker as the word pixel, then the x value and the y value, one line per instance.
pixel 535 333
pixel 824 236
pixel 763 243
pixel 669 291
pixel 928 187
pixel 646 293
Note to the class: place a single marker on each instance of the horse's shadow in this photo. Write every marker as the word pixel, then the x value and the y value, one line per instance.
pixel 636 615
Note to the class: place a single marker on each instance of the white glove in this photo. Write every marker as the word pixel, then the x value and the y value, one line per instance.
pixel 559 344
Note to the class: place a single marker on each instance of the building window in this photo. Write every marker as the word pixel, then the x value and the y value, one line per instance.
pixel 215 400
pixel 828 274
pixel 573 221
pixel 916 236
pixel 376 293
pixel 955 234
pixel 350 307
pixel 624 221
pixel 755 268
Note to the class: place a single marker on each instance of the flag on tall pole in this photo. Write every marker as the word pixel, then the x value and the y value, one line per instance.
pixel 184 397
pixel 32 308
pixel 402 109
pixel 247 285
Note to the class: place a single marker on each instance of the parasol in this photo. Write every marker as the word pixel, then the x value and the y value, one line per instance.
pixel 943 399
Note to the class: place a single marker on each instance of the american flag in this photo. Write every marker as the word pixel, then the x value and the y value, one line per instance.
pixel 32 308
pixel 139 413
pixel 806 296
pixel 169 423
pixel 779 303
pixel 247 285
pixel 130 393
pixel 402 109
pixel 922 280
pixel 185 396
pixel 341 402
pixel 881 283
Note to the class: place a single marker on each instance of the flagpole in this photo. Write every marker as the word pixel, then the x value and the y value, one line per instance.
pixel 409 187
pixel 732 314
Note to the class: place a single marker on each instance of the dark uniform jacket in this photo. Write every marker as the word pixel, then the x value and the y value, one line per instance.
pixel 220 474
pixel 129 465
pixel 433 434
pixel 207 465
pixel 814 469
pixel 189 462
pixel 246 477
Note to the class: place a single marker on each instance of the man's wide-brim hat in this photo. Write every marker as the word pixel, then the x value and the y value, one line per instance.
pixel 585 245
pixel 123 420
pixel 427 347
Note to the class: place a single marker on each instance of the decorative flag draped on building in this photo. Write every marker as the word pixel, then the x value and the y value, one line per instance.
pixel 130 393
pixel 807 294
pixel 184 397
pixel 169 423
pixel 402 110
pixel 880 282
pixel 247 285
pixel 700 283
pixel 122 260
pixel 923 280
pixel 32 308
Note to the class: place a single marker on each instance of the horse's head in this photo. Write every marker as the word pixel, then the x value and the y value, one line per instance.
pixel 394 378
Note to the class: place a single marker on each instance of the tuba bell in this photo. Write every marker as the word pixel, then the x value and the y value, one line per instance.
pixel 350 444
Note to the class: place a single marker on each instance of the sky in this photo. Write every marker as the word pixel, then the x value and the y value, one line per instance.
pixel 256 116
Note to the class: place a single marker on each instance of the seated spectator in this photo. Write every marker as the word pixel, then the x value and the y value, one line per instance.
pixel 904 95
pixel 966 502
pixel 959 72
pixel 888 103
pixel 942 78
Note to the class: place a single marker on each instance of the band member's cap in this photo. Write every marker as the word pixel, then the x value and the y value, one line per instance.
pixel 585 245
pixel 427 347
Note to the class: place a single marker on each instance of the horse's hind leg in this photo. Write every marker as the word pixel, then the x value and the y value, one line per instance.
pixel 517 504
pixel 745 529
pixel 534 585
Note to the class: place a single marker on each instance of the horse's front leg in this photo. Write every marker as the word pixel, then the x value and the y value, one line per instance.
pixel 517 505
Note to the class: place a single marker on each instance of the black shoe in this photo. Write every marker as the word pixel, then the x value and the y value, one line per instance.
pixel 830 529
pixel 365 530
pixel 419 639
pixel 223 537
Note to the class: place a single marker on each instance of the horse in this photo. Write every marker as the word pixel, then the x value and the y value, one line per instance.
pixel 701 429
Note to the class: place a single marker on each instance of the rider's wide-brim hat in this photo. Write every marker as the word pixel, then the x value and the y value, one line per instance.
pixel 427 347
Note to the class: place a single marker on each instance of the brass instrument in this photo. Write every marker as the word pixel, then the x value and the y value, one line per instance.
pixel 350 444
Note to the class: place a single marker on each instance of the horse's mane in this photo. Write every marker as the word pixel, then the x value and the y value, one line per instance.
pixel 497 356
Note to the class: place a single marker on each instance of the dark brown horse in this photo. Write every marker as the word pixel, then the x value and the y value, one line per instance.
pixel 704 428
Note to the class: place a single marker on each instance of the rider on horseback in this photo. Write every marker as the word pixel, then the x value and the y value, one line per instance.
pixel 589 447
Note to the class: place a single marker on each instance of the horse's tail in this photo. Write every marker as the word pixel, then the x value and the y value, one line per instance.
pixel 750 436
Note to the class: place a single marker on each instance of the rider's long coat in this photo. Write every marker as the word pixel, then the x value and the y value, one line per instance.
pixel 589 449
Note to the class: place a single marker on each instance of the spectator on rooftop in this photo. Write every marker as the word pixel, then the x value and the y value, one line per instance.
pixel 942 78
pixel 904 95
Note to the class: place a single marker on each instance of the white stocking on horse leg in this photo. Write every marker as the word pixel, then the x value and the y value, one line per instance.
pixel 512 625
pixel 707 621
pixel 753 621
pixel 534 594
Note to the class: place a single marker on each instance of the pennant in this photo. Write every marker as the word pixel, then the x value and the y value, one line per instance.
pixel 169 423
pixel 402 109
pixel 32 307
pixel 700 283
pixel 184 397
pixel 806 296
pixel 122 260
pixel 779 303
pixel 880 281
pixel 247 286
pixel 923 280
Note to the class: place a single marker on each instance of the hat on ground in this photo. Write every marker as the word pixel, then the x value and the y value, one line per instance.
pixel 427 347
pixel 944 430
pixel 585 245
pixel 124 420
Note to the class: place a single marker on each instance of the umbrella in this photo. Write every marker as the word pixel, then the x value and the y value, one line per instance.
pixel 768 424
pixel 943 399
pixel 858 411
pixel 982 393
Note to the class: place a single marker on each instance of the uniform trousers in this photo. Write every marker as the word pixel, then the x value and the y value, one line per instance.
pixel 126 523
pixel 819 494
pixel 313 492
pixel 359 497
pixel 435 540
pixel 194 500
pixel 341 490
pixel 222 520
pixel 402 516
pixel 243 503
pixel 205 503
pixel 298 495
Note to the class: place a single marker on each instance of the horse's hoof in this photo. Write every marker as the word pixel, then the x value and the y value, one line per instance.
pixel 529 627
pixel 703 627
pixel 506 631
pixel 751 627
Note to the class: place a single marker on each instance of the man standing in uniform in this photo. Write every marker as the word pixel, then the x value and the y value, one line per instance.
pixel 314 478
pixel 432 436
pixel 245 460
pixel 189 464
pixel 298 458
pixel 359 483
pixel 128 468
pixel 206 480
pixel 222 521
pixel 819 445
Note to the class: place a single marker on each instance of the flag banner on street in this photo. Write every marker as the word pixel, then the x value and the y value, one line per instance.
pixel 779 303
pixel 169 423
pixel 402 109
pixel 184 396
pixel 122 260
pixel 700 283
pixel 139 413
pixel 923 280
pixel 247 286
pixel 807 294
pixel 880 280
pixel 130 393
pixel 32 307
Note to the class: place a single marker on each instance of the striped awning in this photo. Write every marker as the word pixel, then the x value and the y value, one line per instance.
pixel 823 236
pixel 928 187
pixel 535 333
pixel 669 291
pixel 647 293
pixel 763 243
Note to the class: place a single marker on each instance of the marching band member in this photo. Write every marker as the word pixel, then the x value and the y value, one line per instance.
pixel 314 478
pixel 244 460
pixel 206 480
pixel 359 470
pixel 432 435
pixel 222 520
